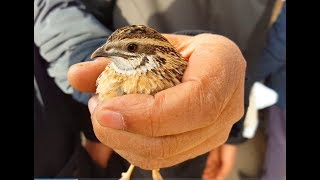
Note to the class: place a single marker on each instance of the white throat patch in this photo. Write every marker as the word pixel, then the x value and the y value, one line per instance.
pixel 151 64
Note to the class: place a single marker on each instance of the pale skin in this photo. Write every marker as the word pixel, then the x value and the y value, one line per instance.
pixel 178 123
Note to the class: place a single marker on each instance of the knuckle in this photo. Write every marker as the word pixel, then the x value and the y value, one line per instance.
pixel 156 149
pixel 162 148
pixel 225 134
pixel 142 162
pixel 220 41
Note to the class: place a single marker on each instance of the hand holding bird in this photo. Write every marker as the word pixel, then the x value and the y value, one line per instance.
pixel 180 122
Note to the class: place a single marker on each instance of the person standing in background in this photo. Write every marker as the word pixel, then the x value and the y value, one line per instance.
pixel 270 66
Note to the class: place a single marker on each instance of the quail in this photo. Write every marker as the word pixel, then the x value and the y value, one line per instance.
pixel 142 62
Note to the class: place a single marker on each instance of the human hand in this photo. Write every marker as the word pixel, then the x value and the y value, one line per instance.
pixel 220 162
pixel 98 152
pixel 178 123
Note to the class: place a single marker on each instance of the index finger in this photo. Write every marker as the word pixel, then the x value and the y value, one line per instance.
pixel 83 76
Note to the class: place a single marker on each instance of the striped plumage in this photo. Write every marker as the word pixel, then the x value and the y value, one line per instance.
pixel 153 65
pixel 143 62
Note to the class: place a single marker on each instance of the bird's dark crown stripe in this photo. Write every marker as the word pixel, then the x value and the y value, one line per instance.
pixel 135 31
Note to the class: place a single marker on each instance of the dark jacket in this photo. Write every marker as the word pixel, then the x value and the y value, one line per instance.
pixel 271 64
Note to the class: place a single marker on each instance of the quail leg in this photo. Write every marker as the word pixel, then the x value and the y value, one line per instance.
pixel 156 174
pixel 126 175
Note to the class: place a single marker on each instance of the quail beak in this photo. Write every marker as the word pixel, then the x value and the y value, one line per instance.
pixel 100 52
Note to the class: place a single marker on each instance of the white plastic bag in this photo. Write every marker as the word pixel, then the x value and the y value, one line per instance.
pixel 261 97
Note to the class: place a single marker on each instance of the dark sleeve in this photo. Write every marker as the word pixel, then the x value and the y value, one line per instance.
pixel 273 56
pixel 66 34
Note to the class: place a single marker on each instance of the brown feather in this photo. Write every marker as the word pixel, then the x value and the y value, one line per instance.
pixel 171 66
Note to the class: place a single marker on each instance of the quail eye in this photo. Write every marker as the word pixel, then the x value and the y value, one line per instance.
pixel 132 47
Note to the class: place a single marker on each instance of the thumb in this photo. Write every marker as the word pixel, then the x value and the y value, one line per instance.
pixel 129 112
pixel 166 113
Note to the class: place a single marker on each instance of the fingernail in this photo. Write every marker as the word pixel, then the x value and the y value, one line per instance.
pixel 92 104
pixel 111 119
